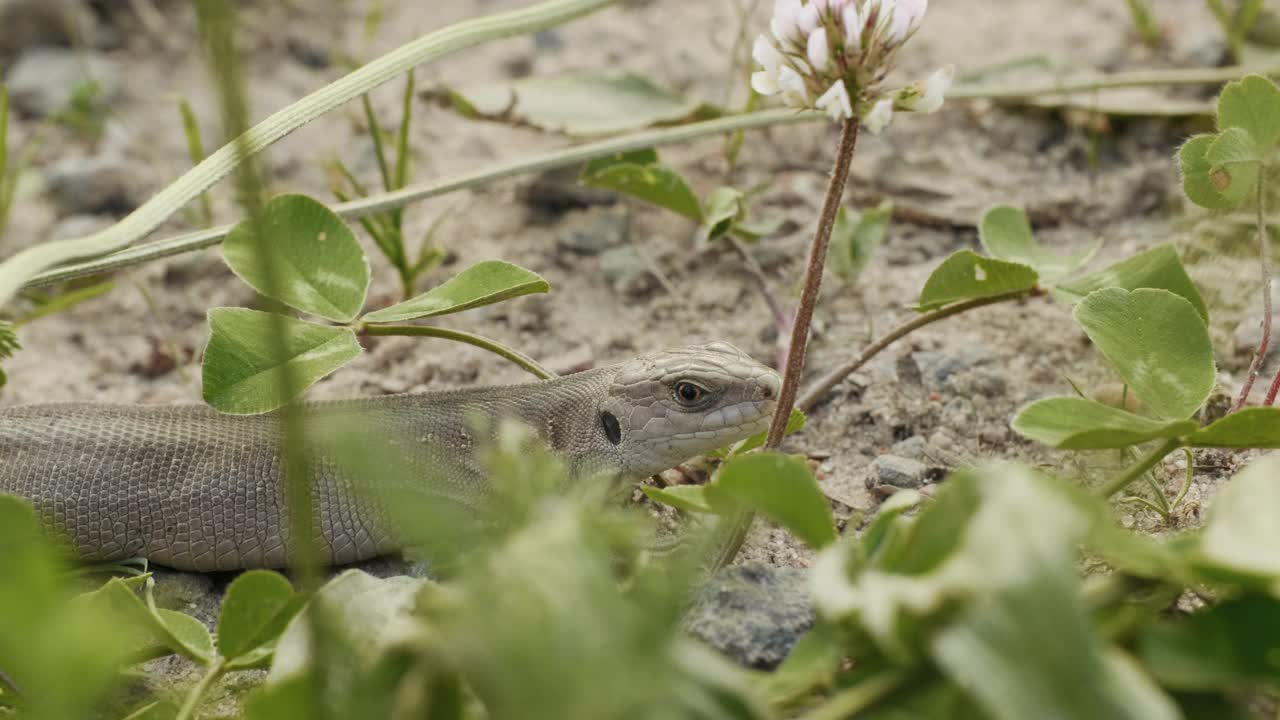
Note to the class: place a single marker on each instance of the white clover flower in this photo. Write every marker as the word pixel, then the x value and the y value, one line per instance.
pixel 832 55
pixel 835 101
pixel 818 49
pixel 935 89
pixel 879 116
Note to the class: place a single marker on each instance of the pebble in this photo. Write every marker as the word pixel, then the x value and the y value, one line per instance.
pixel 39 23
pixel 626 272
pixel 753 613
pixel 91 185
pixel 900 472
pixel 593 232
pixel 43 80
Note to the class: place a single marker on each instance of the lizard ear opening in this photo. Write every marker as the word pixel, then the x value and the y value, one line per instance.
pixel 612 429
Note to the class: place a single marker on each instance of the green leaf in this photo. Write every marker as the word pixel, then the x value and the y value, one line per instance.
pixel 1073 423
pixel 255 610
pixel 854 241
pixel 190 633
pixel 689 498
pixel 318 263
pixel 241 372
pixel 967 275
pixel 1241 532
pixel 1234 165
pixel 1252 103
pixel 647 156
pixel 1199 180
pixel 1229 646
pixel 1006 235
pixel 1257 427
pixel 178 632
pixel 724 208
pixel 1156 342
pixel 484 283
pixel 656 184
pixel 1158 267
pixel 811 664
pixel 577 103
pixel 783 488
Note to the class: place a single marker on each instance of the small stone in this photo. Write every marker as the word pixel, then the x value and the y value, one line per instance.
pixel 40 23
pixel 913 447
pixel 306 52
pixel 626 272
pixel 43 81
pixel 78 226
pixel 753 613
pixel 98 184
pixel 897 471
pixel 556 192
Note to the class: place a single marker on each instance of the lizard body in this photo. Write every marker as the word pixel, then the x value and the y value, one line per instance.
pixel 193 489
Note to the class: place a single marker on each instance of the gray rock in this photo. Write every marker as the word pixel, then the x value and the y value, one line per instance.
pixel 44 80
pixel 593 232
pixel 98 184
pixel 78 226
pixel 913 448
pixel 556 192
pixel 626 272
pixel 897 471
pixel 753 614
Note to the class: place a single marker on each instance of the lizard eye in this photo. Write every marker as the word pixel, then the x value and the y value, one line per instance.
pixel 686 393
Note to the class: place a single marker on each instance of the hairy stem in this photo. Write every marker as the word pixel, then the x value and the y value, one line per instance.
pixel 827 382
pixel 1135 471
pixel 484 343
pixel 812 284
pixel 1260 355
pixel 192 701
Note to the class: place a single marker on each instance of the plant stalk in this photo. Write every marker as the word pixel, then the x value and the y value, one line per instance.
pixel 524 361
pixel 1260 355
pixel 1135 471
pixel 192 701
pixel 812 284
pixel 827 382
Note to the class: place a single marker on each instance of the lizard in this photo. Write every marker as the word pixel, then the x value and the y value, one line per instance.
pixel 190 488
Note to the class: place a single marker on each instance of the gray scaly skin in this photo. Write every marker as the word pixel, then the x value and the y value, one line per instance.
pixel 192 489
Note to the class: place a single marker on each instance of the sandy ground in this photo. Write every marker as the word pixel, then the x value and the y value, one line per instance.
pixel 943 397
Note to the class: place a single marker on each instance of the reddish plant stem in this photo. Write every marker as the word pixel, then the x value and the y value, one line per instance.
pixel 1259 356
pixel 812 283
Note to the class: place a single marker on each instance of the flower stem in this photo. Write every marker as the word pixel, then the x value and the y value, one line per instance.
pixel 836 376
pixel 812 283
pixel 484 343
pixel 201 687
pixel 1135 471
pixel 1260 355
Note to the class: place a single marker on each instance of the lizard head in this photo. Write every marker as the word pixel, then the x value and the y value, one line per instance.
pixel 665 407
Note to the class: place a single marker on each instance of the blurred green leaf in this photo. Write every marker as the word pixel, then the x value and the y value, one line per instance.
pixel 811 664
pixel 577 103
pixel 1158 267
pixel 656 184
pixel 1232 645
pixel 1235 163
pixel 319 265
pixel 1241 532
pixel 1200 181
pixel 1257 427
pixel 884 525
pixel 781 487
pixel 481 284
pixel 1074 423
pixel 257 606
pixel 647 156
pixel 724 208
pixel 1006 235
pixel 1252 104
pixel 855 240
pixel 1157 343
pixel 241 374
pixel 967 275
pixel 689 498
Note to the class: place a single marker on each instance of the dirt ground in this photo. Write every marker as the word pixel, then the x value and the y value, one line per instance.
pixel 941 398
